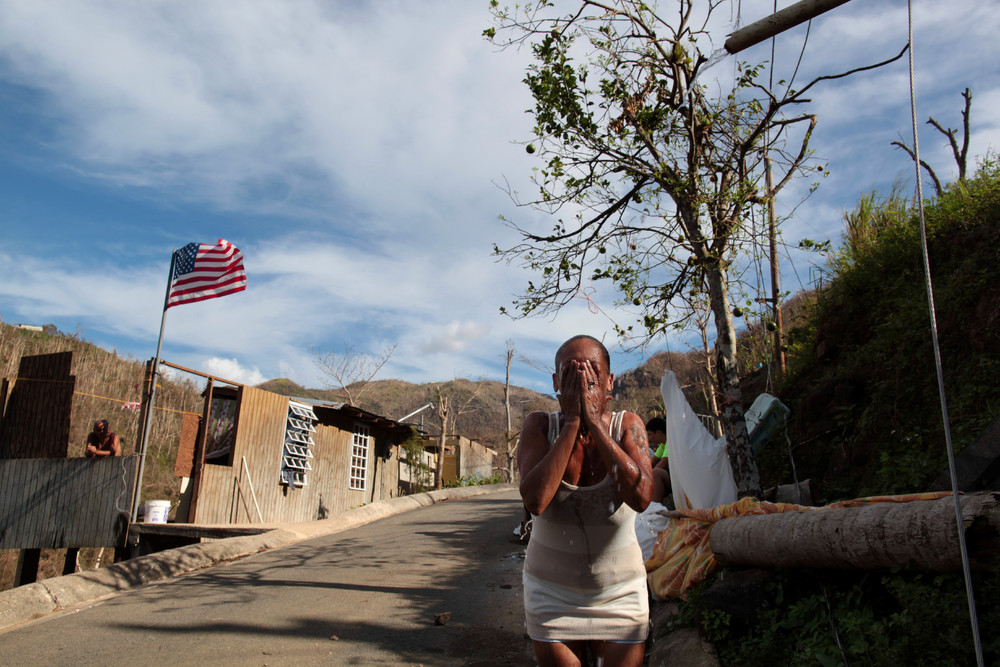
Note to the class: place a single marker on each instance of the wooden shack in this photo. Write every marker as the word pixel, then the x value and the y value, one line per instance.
pixel 260 457
pixel 462 458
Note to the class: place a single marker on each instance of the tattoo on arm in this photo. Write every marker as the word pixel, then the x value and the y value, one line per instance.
pixel 638 436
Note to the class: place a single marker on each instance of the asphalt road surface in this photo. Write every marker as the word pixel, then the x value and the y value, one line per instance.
pixel 367 596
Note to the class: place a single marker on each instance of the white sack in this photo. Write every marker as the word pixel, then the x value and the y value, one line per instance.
pixel 648 525
pixel 700 473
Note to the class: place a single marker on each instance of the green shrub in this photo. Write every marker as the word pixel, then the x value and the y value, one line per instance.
pixel 477 479
pixel 871 322
pixel 881 619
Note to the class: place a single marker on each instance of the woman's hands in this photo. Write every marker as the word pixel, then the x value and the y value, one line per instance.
pixel 581 394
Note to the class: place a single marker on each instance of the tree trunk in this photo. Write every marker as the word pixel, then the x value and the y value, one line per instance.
pixel 443 414
pixel 510 441
pixel 919 534
pixel 709 385
pixel 734 425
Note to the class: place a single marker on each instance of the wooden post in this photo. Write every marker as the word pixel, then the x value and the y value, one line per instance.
pixel 69 565
pixel 4 390
pixel 144 402
pixel 772 232
pixel 199 451
pixel 27 566
pixel 786 19
pixel 253 495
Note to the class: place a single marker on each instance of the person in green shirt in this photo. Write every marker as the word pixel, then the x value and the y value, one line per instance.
pixel 656 432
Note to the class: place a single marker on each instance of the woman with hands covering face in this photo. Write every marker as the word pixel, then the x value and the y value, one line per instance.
pixel 585 472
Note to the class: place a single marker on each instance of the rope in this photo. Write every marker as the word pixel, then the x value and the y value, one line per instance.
pixel 155 407
pixel 107 398
pixel 937 349
pixel 595 309
pixel 21 379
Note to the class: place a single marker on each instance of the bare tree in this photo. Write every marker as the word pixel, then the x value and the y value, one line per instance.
pixel 961 154
pixel 449 409
pixel 351 372
pixel 511 437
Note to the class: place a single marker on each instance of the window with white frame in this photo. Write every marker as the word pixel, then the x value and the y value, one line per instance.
pixel 296 450
pixel 360 444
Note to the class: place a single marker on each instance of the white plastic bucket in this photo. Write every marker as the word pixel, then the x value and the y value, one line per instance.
pixel 156 511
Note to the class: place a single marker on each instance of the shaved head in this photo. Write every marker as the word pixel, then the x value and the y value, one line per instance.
pixel 604 351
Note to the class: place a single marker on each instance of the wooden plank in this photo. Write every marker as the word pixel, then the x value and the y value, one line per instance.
pixel 199 452
pixel 186 446
pixel 37 418
pixel 215 532
pixel 216 497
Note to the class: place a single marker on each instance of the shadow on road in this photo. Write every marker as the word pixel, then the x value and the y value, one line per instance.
pixel 376 589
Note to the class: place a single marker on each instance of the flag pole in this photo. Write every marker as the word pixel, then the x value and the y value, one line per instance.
pixel 148 422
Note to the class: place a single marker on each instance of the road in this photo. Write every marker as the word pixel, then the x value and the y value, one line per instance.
pixel 366 596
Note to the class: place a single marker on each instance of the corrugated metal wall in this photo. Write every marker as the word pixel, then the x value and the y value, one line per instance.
pixel 58 503
pixel 224 494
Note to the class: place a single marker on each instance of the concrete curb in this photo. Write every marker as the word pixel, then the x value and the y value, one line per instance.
pixel 32 601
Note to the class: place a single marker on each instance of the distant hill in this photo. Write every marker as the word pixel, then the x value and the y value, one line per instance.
pixel 637 390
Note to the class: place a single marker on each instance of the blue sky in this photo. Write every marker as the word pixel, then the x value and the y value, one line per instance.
pixel 352 152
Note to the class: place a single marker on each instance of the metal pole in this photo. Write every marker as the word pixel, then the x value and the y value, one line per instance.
pixel 152 396
pixel 769 26
pixel 402 419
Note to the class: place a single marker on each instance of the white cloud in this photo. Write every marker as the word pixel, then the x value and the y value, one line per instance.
pixel 230 369
pixel 456 337
pixel 351 152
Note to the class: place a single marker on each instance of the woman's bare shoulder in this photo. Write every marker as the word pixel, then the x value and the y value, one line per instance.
pixel 537 418
pixel 628 417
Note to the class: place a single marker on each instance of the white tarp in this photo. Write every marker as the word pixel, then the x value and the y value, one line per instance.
pixel 700 473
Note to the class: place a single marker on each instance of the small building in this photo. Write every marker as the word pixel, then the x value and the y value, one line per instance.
pixel 462 458
pixel 260 457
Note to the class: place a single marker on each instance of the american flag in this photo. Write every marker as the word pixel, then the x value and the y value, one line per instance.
pixel 203 271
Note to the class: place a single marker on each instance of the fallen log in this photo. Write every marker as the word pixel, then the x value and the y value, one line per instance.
pixel 920 534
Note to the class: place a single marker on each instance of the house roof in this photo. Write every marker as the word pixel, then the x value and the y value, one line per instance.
pixel 356 413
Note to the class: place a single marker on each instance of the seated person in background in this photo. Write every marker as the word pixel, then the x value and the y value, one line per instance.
pixel 656 431
pixel 101 442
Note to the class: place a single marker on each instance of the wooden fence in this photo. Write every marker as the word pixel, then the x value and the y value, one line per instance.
pixel 35 421
pixel 59 503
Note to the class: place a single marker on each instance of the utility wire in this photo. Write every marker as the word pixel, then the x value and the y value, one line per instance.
pixel 937 351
